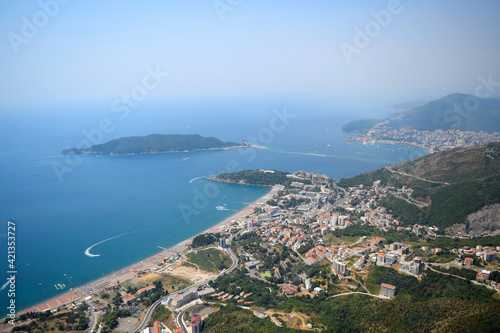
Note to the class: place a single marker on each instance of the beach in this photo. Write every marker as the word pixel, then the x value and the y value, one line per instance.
pixel 84 292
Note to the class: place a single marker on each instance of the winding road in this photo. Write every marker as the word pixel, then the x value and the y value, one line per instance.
pixel 194 287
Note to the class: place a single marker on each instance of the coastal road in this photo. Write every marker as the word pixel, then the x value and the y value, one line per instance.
pixel 93 318
pixel 180 319
pixel 194 287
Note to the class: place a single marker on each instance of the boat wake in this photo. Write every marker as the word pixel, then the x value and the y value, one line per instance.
pixel 87 251
pixel 5 285
pixel 192 180
pixel 184 159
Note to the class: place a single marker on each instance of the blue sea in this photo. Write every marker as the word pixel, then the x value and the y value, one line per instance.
pixel 64 204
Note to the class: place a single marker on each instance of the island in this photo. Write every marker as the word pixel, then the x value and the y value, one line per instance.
pixel 156 143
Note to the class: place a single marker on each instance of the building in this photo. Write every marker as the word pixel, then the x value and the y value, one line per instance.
pixel 222 242
pixel 340 268
pixel 488 256
pixel 320 179
pixel 414 267
pixel 196 324
pixel 387 290
pixel 308 284
pixel 181 299
pixel 254 264
pixel 381 259
pixel 157 327
pixel 145 291
pixel 469 261
pixel 128 299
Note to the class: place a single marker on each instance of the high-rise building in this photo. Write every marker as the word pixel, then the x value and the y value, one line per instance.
pixel 387 290
pixel 196 324
pixel 157 327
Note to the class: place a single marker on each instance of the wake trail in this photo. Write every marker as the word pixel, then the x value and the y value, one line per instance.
pixel 87 251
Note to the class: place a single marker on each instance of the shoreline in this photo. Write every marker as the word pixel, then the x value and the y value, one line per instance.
pixel 161 152
pixel 81 293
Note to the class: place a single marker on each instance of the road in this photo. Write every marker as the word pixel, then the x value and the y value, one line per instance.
pixel 358 292
pixel 93 318
pixel 460 277
pixel 194 287
pixel 417 177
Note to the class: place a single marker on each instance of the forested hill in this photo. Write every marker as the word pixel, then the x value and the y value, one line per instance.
pixel 476 114
pixel 449 166
pixel 156 143
pixel 457 182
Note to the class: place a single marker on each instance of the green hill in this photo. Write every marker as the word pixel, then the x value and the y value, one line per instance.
pixel 477 114
pixel 456 182
pixel 454 111
pixel 155 143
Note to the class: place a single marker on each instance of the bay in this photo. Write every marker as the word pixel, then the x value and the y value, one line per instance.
pixel 64 204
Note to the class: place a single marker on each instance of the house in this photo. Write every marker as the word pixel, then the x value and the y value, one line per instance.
pixel 145 291
pixel 129 298
pixel 469 261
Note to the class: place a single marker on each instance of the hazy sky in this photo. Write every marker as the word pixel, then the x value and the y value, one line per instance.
pixel 97 50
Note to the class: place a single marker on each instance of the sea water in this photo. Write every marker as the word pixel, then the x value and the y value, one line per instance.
pixel 125 208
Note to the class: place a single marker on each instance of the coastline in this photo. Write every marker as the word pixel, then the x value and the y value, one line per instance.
pixel 81 293
pixel 161 152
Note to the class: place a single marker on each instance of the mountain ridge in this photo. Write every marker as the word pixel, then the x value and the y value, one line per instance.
pixel 453 111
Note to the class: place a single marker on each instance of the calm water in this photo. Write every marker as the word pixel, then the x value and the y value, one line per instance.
pixel 138 198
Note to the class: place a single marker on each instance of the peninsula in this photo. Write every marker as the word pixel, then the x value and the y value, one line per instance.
pixel 156 143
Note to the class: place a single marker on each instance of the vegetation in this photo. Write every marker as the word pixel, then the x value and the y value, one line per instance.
pixel 110 318
pixel 433 286
pixel 155 143
pixel 360 125
pixel 205 240
pixel 433 116
pixel 450 204
pixel 391 236
pixel 256 177
pixel 263 294
pixel 160 313
pixel 64 321
pixel 469 274
pixel 407 213
pixel 233 319
pixel 210 260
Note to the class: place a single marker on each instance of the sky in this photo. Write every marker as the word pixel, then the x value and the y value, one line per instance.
pixel 69 51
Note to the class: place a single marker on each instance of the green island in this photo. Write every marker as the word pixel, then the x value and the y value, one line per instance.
pixel 156 143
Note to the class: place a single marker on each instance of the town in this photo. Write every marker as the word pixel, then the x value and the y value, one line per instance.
pixel 309 239
pixel 437 140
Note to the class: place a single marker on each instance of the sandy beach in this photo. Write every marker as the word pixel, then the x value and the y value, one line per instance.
pixel 81 292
